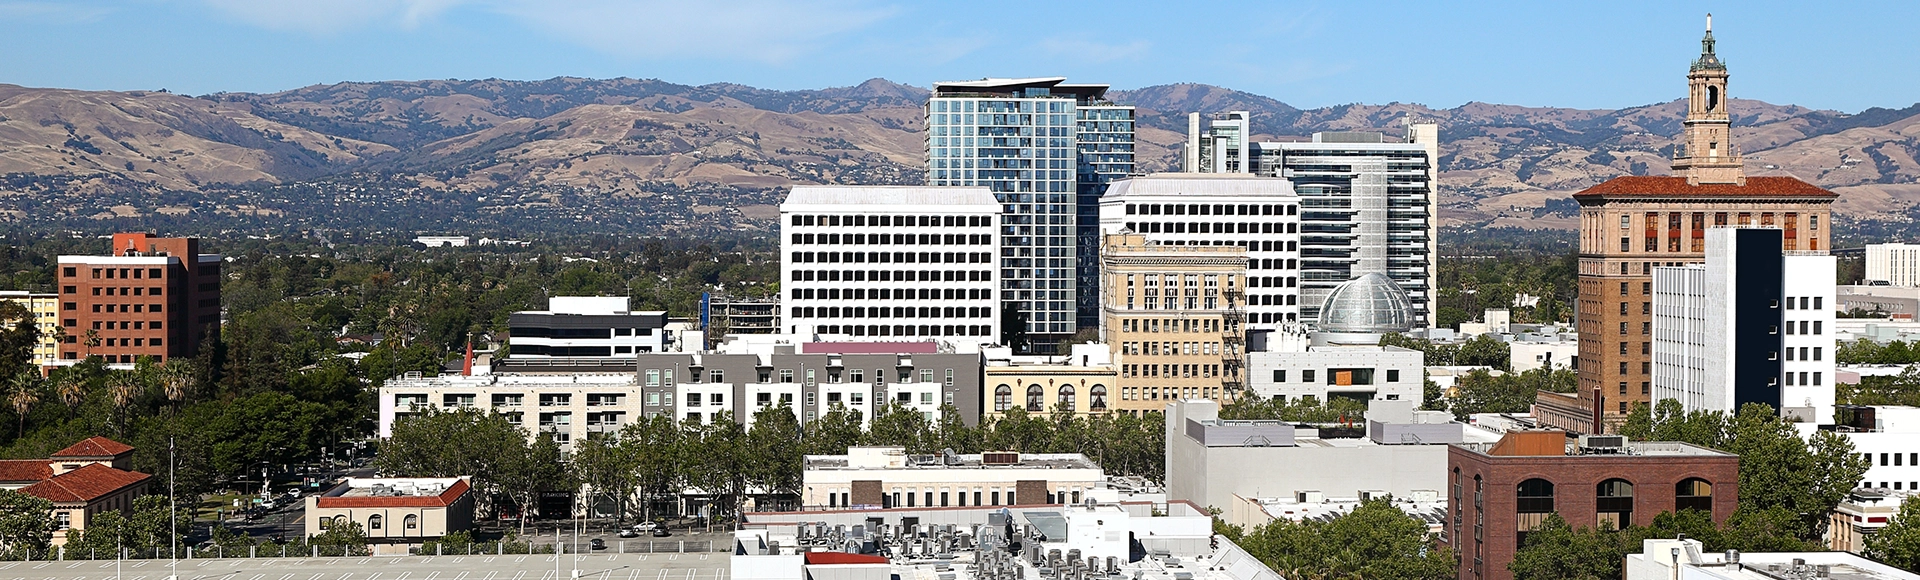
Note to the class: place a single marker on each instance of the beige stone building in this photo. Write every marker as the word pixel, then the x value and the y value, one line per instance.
pixel 85 479
pixel 394 510
pixel 1078 383
pixel 1173 317
pixel 1631 225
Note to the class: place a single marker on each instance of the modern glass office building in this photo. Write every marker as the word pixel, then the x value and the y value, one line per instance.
pixel 1046 149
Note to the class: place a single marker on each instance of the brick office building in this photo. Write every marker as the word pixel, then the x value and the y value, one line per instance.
pixel 155 297
pixel 1630 225
pixel 1500 491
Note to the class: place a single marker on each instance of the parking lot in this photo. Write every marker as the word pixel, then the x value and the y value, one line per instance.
pixel 602 566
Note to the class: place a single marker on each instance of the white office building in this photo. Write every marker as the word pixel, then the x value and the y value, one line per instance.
pixel 891 263
pixel 1367 204
pixel 587 327
pixel 1888 437
pixel 1046 149
pixel 1260 214
pixel 1750 325
pixel 1896 264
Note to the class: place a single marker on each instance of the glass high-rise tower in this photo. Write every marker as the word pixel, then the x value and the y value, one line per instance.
pixel 1046 149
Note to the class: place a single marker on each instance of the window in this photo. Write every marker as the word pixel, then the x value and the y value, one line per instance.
pixel 786 375
pixel 1533 501
pixel 1036 399
pixel 1393 375
pixel 1002 397
pixel 373 523
pixel 1693 494
pixel 1097 398
pixel 716 376
pixel 412 522
pixel 1279 375
pixel 1614 502
pixel 1066 397
pixel 1306 375
pixel 926 375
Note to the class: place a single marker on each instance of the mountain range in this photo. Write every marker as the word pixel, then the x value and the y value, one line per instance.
pixel 500 146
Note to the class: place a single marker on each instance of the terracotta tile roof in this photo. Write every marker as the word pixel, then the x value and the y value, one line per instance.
pixel 1677 186
pixel 85 484
pixel 16 470
pixel 95 446
pixel 446 498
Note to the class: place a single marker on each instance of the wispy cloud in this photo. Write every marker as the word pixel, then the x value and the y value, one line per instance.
pixel 769 31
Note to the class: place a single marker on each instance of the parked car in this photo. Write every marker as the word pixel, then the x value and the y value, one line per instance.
pixel 645 526
pixel 628 533
pixel 660 533
pixel 597 544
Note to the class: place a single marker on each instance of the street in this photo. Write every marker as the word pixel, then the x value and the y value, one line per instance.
pixel 509 567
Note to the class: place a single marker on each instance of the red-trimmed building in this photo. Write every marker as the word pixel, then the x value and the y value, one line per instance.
pixel 395 510
pixel 87 478
pixel 1631 225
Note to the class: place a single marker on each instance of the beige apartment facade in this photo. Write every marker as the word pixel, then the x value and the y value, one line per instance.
pixel 45 310
pixel 394 510
pixel 1174 318
pixel 1045 388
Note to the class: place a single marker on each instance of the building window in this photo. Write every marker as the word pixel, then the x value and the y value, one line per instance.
pixel 1693 494
pixel 1036 399
pixel 1097 398
pixel 412 522
pixel 1002 398
pixel 1533 501
pixel 1066 397
pixel 373 523
pixel 1614 502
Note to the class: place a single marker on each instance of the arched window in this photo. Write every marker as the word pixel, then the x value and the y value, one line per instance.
pixel 1693 493
pixel 1066 397
pixel 339 520
pixel 1097 398
pixel 412 522
pixel 1036 399
pixel 373 523
pixel 1002 397
pixel 1534 500
pixel 1613 499
pixel 1713 98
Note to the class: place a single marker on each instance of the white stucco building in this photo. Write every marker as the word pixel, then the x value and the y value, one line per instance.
pixel 1260 214
pixel 1751 325
pixel 1896 264
pixel 888 477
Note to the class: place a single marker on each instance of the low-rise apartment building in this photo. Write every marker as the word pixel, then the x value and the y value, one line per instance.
pixel 407 510
pixel 858 377
pixel 888 477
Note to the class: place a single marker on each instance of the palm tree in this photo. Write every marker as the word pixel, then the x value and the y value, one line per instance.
pixel 177 376
pixel 124 386
pixel 71 388
pixel 23 392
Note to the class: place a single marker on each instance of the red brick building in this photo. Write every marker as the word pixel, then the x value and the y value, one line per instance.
pixel 1500 491
pixel 155 297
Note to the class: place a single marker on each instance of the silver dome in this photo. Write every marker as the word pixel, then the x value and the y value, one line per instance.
pixel 1370 304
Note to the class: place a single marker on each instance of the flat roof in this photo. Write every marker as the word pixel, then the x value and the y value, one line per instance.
pixel 1632 449
pixel 904 197
pixel 960 461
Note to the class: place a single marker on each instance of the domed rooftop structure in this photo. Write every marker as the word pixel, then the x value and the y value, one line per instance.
pixel 1369 305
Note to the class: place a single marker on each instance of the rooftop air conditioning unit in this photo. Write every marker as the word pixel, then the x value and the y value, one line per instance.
pixel 1603 443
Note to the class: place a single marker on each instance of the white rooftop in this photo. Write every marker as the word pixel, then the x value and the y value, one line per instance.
pixel 904 197
pixel 1199 184
pixel 1659 559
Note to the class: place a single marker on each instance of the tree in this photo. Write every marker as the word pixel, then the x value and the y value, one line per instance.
pixel 604 466
pixel 23 392
pixel 657 446
pixel 1898 544
pixel 1485 350
pixel 777 458
pixel 530 468
pixel 19 334
pixel 1794 481
pixel 1557 551
pixel 1375 540
pixel 70 386
pixel 342 538
pixel 26 526
pixel 176 377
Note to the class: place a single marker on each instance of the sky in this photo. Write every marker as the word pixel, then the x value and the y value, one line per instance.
pixel 1825 55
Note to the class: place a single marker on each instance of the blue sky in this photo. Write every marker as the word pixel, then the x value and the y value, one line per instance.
pixel 1571 54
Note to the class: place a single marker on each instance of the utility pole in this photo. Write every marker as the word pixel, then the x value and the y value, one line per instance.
pixel 173 513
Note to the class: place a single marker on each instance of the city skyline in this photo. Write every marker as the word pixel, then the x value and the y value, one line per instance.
pixel 1306 54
